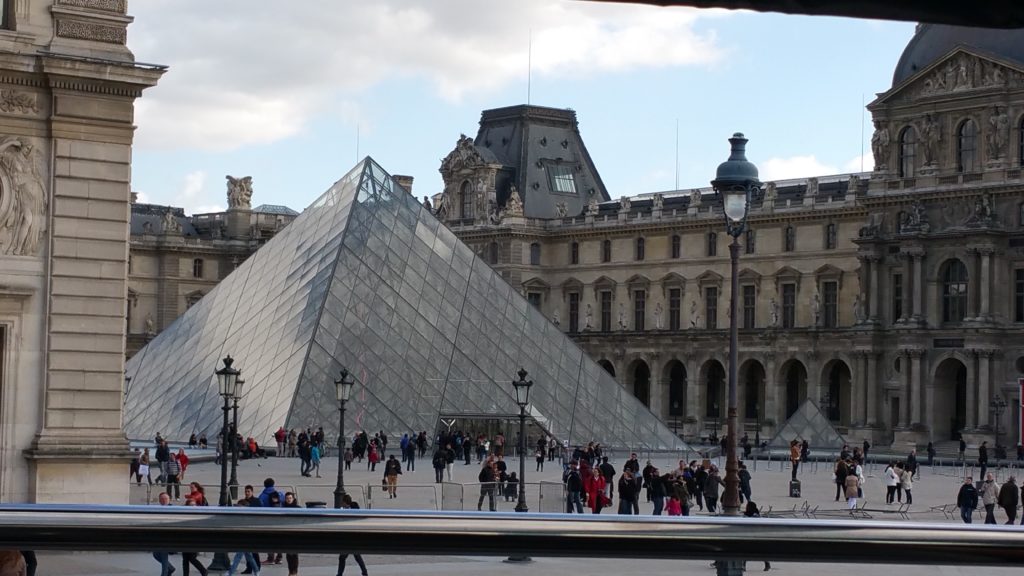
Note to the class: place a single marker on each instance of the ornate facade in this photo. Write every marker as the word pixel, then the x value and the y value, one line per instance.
pixel 894 298
pixel 68 85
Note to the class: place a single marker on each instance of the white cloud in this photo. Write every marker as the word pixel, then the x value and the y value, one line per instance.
pixel 193 195
pixel 860 163
pixel 807 166
pixel 253 72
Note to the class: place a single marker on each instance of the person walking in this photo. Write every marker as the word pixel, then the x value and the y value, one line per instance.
pixel 449 461
pixel 392 469
pixel 314 459
pixel 594 486
pixel 487 479
pixel 657 485
pixel 409 456
pixel 967 500
pixel 192 558
pixel 794 456
pixel 172 476
pixel 539 455
pixel 983 458
pixel 349 503
pixel 439 463
pixel 573 488
pixel 745 491
pixel 931 454
pixel 290 501
pixel 1009 498
pixel 711 488
pixel 852 490
pixel 162 556
pixel 839 474
pixel 907 482
pixel 628 492
pixel 989 498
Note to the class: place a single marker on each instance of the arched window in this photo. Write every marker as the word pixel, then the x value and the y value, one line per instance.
pixel 677 246
pixel 908 141
pixel 466 199
pixel 606 251
pixel 789 240
pixel 535 254
pixel 493 253
pixel 967 146
pixel 574 253
pixel 954 291
pixel 640 248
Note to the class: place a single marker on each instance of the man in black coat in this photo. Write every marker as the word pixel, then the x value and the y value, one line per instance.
pixel 573 488
pixel 608 471
pixel 1009 498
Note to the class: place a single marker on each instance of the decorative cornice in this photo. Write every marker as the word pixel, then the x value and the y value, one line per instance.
pixel 92 31
pixel 113 6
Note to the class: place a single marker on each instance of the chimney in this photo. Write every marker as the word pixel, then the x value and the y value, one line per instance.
pixel 403 181
pixel 135 197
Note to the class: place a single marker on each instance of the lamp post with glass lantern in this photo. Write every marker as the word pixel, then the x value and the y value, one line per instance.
pixel 343 387
pixel 233 483
pixel 522 387
pixel 735 182
pixel 226 378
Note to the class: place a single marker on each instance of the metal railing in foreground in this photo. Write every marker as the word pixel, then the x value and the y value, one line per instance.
pixel 131 528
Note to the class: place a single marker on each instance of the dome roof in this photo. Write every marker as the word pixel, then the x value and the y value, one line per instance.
pixel 932 41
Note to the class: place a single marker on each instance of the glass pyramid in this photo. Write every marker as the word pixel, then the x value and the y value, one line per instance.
pixel 808 423
pixel 366 279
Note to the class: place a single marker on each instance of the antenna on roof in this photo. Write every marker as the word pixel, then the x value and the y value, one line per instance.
pixel 677 155
pixel 862 132
pixel 357 142
pixel 529 66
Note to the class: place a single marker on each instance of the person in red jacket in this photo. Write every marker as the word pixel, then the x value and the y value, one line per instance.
pixel 182 463
pixel 594 485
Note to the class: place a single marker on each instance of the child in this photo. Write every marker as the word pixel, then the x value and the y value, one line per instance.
pixel 674 507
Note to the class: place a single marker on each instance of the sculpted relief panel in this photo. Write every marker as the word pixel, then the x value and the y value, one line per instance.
pixel 966 72
pixel 22 197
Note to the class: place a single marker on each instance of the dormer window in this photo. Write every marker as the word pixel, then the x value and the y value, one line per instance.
pixel 563 181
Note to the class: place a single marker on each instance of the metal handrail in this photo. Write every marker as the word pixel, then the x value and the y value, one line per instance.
pixel 133 528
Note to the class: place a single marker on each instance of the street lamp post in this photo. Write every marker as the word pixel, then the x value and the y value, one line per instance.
pixel 226 385
pixel 343 387
pixel 735 181
pixel 522 387
pixel 233 483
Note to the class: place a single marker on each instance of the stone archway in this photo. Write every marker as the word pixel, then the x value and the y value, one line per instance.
pixel 607 365
pixel 639 381
pixel 949 406
pixel 836 382
pixel 793 376
pixel 675 376
pixel 751 379
pixel 713 391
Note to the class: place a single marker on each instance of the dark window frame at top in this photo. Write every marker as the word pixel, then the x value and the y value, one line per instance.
pixel 535 254
pixel 7 21
pixel 197 268
pixel 711 307
pixel 967 146
pixel 561 177
pixel 574 253
pixel 897 296
pixel 749 301
pixel 712 247
pixel 535 299
pixel 494 252
pixel 677 247
pixel 675 305
pixel 1018 295
pixel 639 310
pixel 606 251
pixel 830 303
pixel 574 312
pixel 641 249
pixel 466 201
pixel 788 305
pixel 605 302
pixel 955 286
pixel 789 239
pixel 831 236
pixel 750 241
pixel 907 146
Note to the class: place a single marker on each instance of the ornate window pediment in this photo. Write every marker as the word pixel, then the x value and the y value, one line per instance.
pixel 748 276
pixel 571 285
pixel 672 280
pixel 961 70
pixel 536 285
pixel 828 272
pixel 638 282
pixel 709 278
pixel 787 275
pixel 604 283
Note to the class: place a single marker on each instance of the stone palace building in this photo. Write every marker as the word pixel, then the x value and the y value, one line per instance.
pixel 894 299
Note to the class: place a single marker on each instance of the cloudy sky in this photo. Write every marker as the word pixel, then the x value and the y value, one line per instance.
pixel 294 96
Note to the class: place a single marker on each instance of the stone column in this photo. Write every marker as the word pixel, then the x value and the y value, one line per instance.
pixel 905 372
pixel 873 290
pixel 908 283
pixel 972 405
pixel 871 419
pixel 692 389
pixel 770 410
pixel 857 389
pixel 974 288
pixel 985 286
pixel 984 387
pixel 915 385
pixel 657 403
pixel 919 284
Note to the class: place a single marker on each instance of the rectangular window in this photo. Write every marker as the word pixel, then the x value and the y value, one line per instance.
pixel 711 307
pixel 675 298
pixel 831 236
pixel 1018 292
pixel 562 180
pixel 639 310
pixel 606 251
pixel 606 311
pixel 749 306
pixel 712 244
pixel 677 246
pixel 574 312
pixel 640 248
pixel 534 299
pixel 197 268
pixel 574 253
pixel 751 242
pixel 534 254
pixel 897 297
pixel 788 305
pixel 830 291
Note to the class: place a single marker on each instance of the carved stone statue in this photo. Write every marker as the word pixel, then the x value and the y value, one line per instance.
pixel 657 315
pixel 592 207
pixel 150 328
pixel 812 187
pixel 514 204
pixel 771 194
pixel 930 136
pixel 694 197
pixel 23 214
pixel 556 319
pixel 588 319
pixel 481 199
pixel 694 314
pixel 998 134
pixel 171 224
pixel 624 204
pixel 446 209
pixel 427 205
pixel 858 310
pixel 622 316
pixel 239 192
pixel 816 308
pixel 658 202
pixel 880 146
pixel 773 312
pixel 562 209
pixel 853 184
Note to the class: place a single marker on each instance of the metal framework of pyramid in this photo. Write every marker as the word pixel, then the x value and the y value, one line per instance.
pixel 367 279
pixel 808 423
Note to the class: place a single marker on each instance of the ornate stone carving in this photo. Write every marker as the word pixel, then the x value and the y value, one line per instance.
pixel 239 192
pixel 915 219
pixel 773 310
pixel 624 204
pixel 874 226
pixel 427 205
pixel 465 156
pixel 816 308
pixel 853 184
pixel 956 212
pixel 22 198
pixel 514 204
pixel 116 6
pixel 562 209
pixel 931 134
pixel 658 202
pixel 79 30
pixel 983 213
pixel 16 102
pixel 694 198
pixel 812 187
pixel 771 194
pixel 171 223
pixel 880 141
pixel 998 133
pixel 966 72
pixel 858 310
pixel 658 311
pixel 592 207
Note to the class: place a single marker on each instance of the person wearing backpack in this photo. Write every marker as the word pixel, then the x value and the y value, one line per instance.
pixel 439 464
pixel 573 488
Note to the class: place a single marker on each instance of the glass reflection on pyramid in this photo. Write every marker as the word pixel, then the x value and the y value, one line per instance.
pixel 367 279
